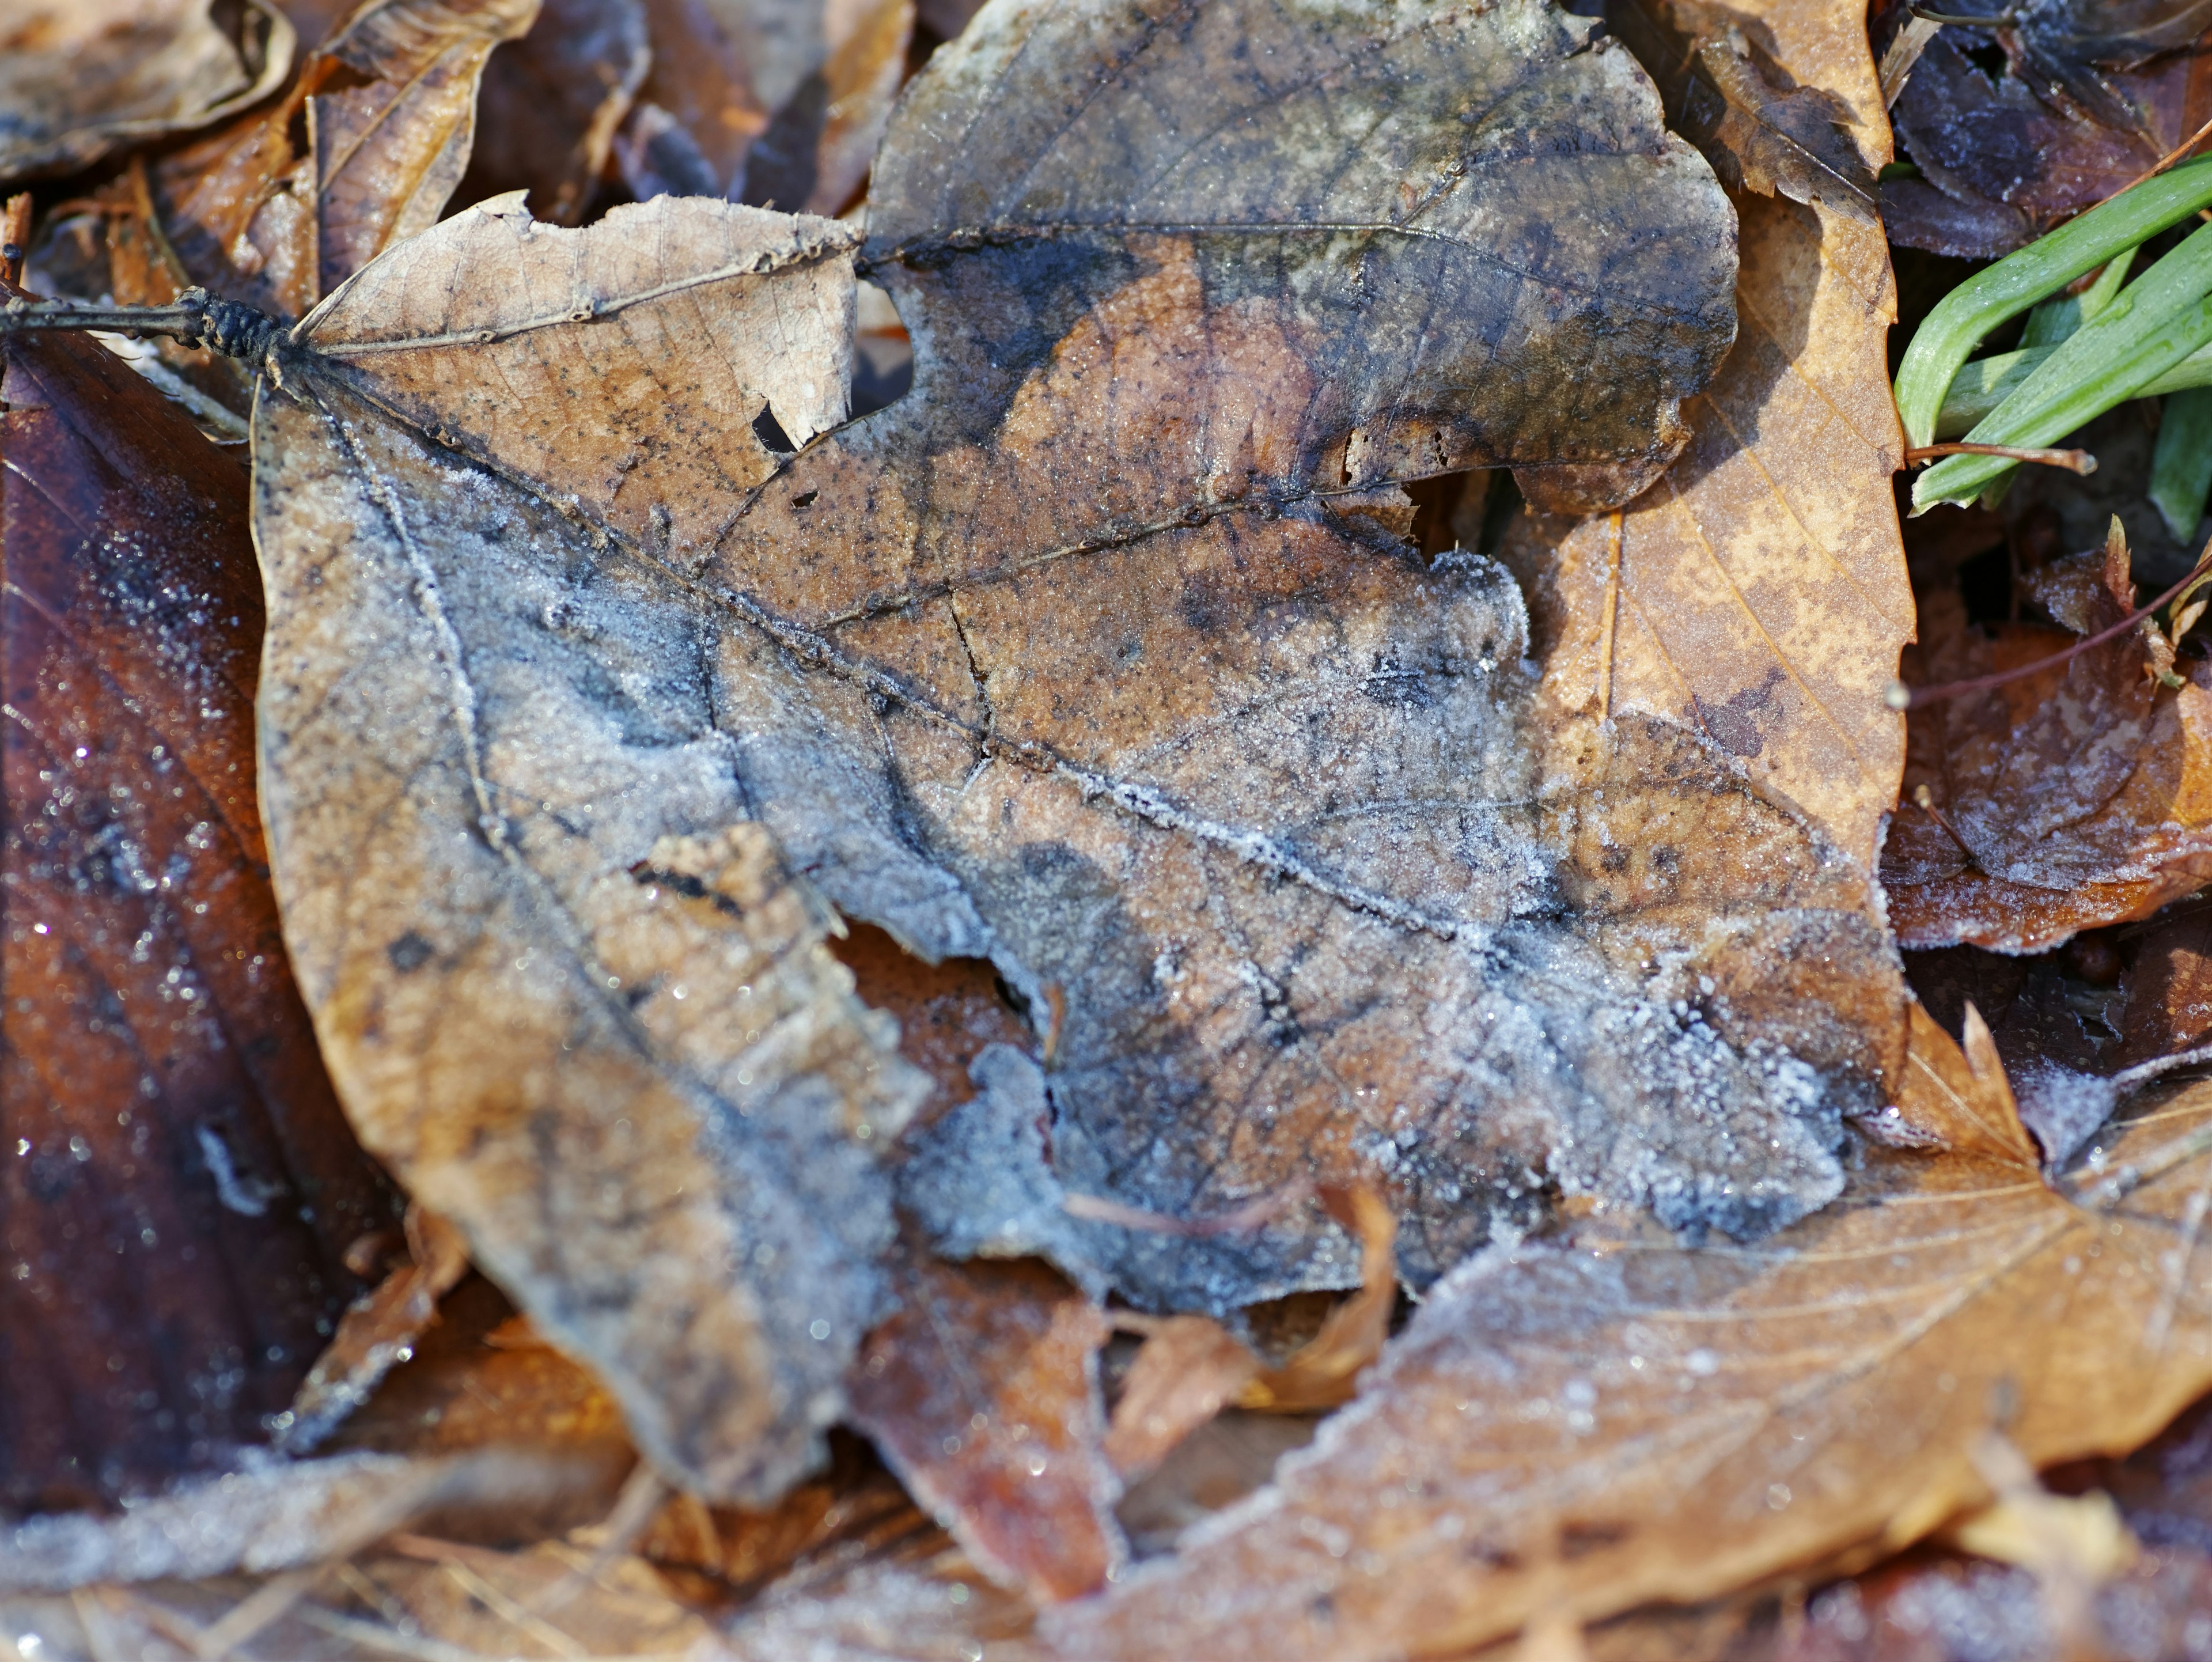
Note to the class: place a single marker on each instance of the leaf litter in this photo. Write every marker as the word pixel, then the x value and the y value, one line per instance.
pixel 909 644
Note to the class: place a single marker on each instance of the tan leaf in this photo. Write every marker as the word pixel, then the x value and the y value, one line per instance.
pixel 79 78
pixel 1320 1373
pixel 2076 796
pixel 982 1394
pixel 1644 1422
pixel 1756 595
pixel 388 106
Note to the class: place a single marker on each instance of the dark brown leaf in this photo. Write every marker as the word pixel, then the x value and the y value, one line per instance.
pixel 777 102
pixel 552 103
pixel 180 1189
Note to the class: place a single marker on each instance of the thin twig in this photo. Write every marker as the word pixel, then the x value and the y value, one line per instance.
pixel 1097 1208
pixel 2179 152
pixel 1901 697
pixel 2074 462
pixel 1924 801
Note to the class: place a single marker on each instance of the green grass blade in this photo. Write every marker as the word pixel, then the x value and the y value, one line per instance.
pixel 2159 319
pixel 2181 466
pixel 1985 383
pixel 2054 319
pixel 2015 283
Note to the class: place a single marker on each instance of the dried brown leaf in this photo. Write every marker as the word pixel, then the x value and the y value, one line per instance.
pixel 1727 93
pixel 1758 593
pixel 2169 986
pixel 79 78
pixel 179 1189
pixel 387 107
pixel 682 1193
pixel 1320 1373
pixel 1187 1371
pixel 982 1394
pixel 2074 797
pixel 1599 1428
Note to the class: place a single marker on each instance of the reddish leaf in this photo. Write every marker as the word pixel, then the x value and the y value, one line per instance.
pixel 982 1392
pixel 180 1187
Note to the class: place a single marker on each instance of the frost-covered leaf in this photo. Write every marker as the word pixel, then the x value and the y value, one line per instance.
pixel 179 1195
pixel 1580 1429
pixel 1088 657
pixel 578 1005
pixel 80 78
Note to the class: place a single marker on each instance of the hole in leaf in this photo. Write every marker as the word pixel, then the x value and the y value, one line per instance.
pixel 769 432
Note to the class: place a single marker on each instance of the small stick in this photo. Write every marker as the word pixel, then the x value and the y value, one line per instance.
pixel 1926 803
pixel 2179 152
pixel 2074 462
pixel 197 317
pixel 1901 697
pixel 1097 1208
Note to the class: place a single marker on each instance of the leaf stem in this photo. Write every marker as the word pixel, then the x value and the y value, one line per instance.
pixel 1902 696
pixel 2074 462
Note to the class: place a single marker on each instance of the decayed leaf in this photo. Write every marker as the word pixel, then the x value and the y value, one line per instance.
pixel 80 78
pixel 1593 1428
pixel 583 1011
pixel 1109 674
pixel 179 1192
pixel 552 103
pixel 1756 595
pixel 982 1394
pixel 1320 1373
pixel 1726 93
pixel 377 1332
pixel 777 102
pixel 387 107
pixel 2078 796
